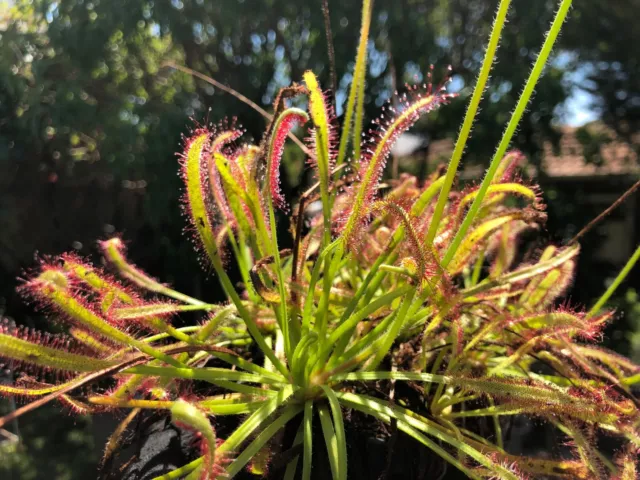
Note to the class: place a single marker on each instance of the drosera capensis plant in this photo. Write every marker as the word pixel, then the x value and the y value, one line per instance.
pixel 408 282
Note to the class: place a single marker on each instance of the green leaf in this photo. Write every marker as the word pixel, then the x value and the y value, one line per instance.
pixel 255 421
pixel 206 374
pixel 331 441
pixel 322 138
pixel 35 354
pixel 341 439
pixel 308 440
pixel 371 405
pixel 197 149
pixel 265 435
pixel 292 467
pixel 382 347
pixel 153 310
pixel 524 273
pixel 187 414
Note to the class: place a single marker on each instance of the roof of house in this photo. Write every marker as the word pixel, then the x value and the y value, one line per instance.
pixel 589 151
pixel 611 156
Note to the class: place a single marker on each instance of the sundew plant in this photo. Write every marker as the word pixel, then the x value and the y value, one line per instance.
pixel 403 302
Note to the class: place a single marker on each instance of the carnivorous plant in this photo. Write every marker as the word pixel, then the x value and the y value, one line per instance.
pixel 404 282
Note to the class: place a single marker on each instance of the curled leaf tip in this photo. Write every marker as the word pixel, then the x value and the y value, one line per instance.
pixel 283 125
pixel 189 416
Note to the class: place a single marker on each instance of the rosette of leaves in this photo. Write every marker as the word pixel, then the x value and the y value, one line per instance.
pixel 405 282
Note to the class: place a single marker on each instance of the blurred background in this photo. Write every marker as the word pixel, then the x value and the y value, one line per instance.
pixel 92 113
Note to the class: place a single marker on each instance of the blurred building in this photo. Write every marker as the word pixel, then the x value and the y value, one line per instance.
pixel 589 167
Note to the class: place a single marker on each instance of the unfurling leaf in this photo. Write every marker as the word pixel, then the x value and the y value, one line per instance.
pixel 283 125
pixel 375 153
pixel 187 415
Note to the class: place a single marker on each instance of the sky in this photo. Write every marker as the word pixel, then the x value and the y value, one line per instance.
pixel 579 111
pixel 579 108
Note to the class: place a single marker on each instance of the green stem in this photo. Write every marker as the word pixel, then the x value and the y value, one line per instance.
pixel 357 124
pixel 211 375
pixel 330 270
pixel 182 471
pixel 401 376
pixel 469 117
pixel 203 334
pixel 161 336
pixel 529 87
pixel 394 330
pixel 477 269
pixel 616 283
pixel 358 77
pixel 359 350
pixel 282 306
pixel 248 320
pixel 130 272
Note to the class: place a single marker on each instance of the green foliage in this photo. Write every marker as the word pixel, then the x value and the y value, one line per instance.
pixel 385 285
pixel 605 68
pixel 87 102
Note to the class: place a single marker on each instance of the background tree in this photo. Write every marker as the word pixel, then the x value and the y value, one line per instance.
pixel 605 63
pixel 92 118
